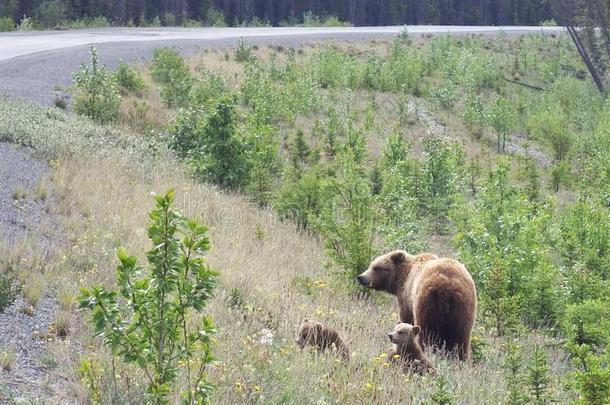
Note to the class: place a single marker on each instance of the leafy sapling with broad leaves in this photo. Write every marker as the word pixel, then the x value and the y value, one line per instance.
pixel 148 320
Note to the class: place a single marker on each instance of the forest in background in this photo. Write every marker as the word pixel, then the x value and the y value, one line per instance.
pixel 51 13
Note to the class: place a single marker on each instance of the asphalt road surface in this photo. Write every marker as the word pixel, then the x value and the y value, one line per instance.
pixel 33 64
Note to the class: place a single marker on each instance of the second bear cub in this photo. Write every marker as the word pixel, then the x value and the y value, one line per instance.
pixel 322 337
pixel 408 350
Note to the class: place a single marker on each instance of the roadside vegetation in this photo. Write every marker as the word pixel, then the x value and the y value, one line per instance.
pixel 305 164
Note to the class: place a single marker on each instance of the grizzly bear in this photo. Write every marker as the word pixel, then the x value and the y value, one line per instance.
pixel 438 295
pixel 322 337
pixel 407 349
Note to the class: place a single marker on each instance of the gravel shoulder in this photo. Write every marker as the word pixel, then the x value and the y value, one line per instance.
pixel 23 198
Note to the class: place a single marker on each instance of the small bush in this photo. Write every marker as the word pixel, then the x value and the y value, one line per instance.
pixel 95 92
pixel 26 24
pixel 169 20
pixel 243 52
pixel 129 78
pixel 155 322
pixel 169 70
pixel 6 24
pixel 215 18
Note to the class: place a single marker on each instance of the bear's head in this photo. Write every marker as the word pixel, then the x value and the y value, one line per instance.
pixel 404 334
pixel 383 271
pixel 309 333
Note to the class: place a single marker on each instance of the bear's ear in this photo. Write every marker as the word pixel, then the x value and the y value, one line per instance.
pixel 398 256
pixel 305 320
pixel 416 329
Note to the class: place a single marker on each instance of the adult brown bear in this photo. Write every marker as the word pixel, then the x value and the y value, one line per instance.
pixel 437 294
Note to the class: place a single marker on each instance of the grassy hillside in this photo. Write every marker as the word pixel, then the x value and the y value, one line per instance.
pixel 345 151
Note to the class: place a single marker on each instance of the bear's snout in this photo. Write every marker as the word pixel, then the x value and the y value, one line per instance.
pixel 390 337
pixel 362 280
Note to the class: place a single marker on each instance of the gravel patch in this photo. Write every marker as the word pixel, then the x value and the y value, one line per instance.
pixel 28 379
pixel 21 209
pixel 23 214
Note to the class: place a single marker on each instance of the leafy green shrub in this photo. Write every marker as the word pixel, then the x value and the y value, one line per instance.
pixel 584 244
pixel 347 220
pixel 538 377
pixel 6 24
pixel 221 156
pixel 95 92
pixel 500 118
pixel 438 188
pixel 591 378
pixel 149 319
pixel 26 24
pixel 400 222
pixel 209 86
pixel 215 18
pixel 336 69
pixel 169 70
pixel 551 126
pixel 129 78
pixel 243 51
pixel 499 239
pixel 300 197
pixel 513 365
pixel 263 160
pixel 169 20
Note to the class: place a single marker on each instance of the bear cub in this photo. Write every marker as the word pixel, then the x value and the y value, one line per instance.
pixel 322 337
pixel 407 349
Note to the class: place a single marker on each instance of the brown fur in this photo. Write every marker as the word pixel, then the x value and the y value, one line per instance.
pixel 439 295
pixel 322 337
pixel 408 350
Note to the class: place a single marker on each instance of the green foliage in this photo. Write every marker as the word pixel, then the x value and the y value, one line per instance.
pixel 261 153
pixel 26 24
pixel 399 221
pixel 442 396
pixel 513 365
pixel 149 319
pixel 6 24
pixel 243 52
pixel 215 18
pixel 552 127
pixel 444 96
pixel 169 70
pixel 538 377
pixel 347 221
pixel 500 240
pixel 500 118
pixel 51 13
pixel 584 244
pixel 95 92
pixel 169 20
pixel 474 114
pixel 210 86
pixel 129 78
pixel 438 187
pixel 220 155
pixel 8 290
pixel 591 378
pixel 300 197
pixel 588 323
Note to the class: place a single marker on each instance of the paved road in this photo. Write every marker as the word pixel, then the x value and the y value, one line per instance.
pixel 32 64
